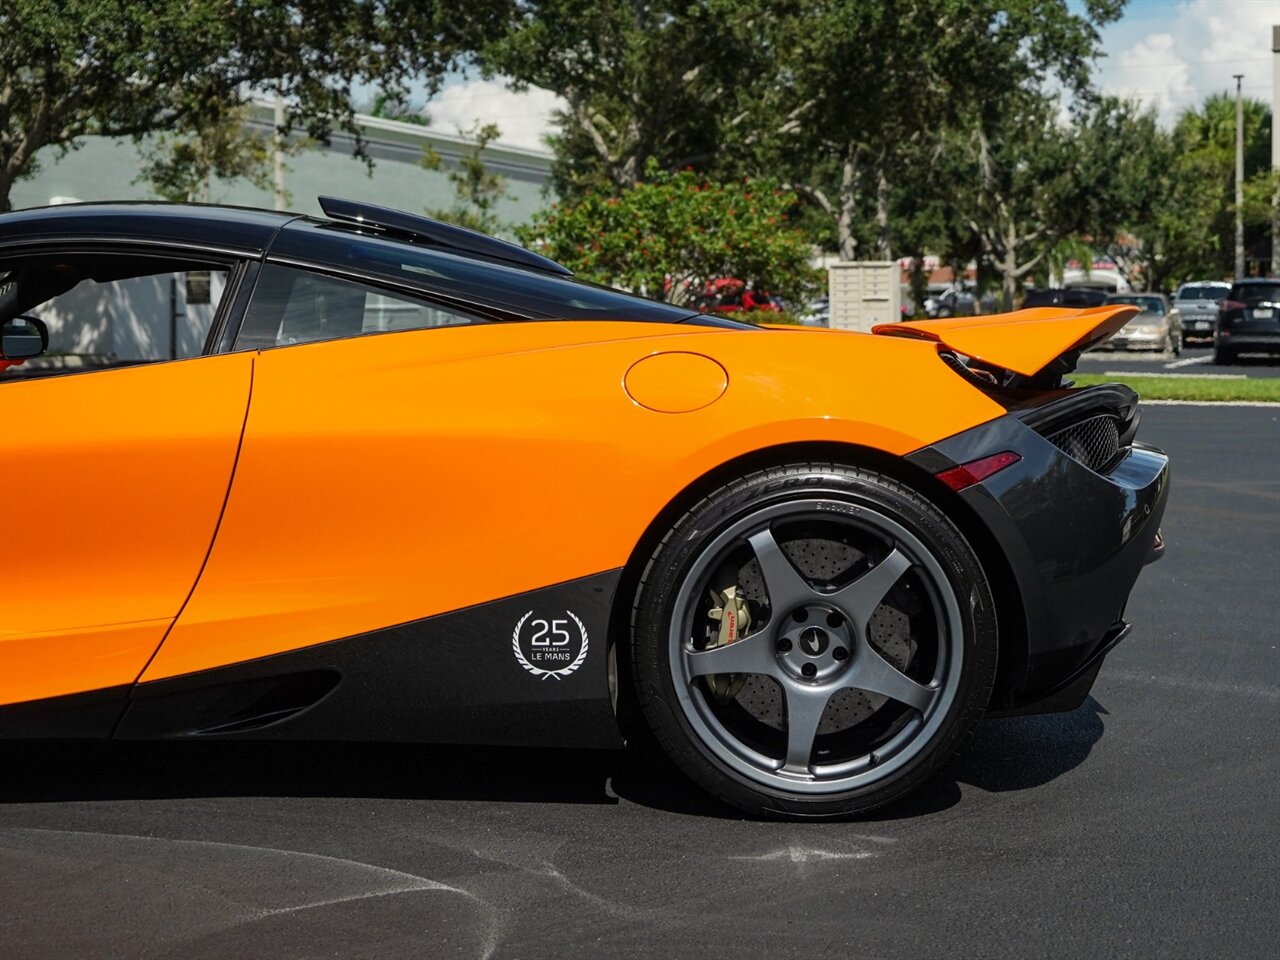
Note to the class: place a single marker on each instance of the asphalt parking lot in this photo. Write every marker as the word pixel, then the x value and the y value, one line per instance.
pixel 1146 823
pixel 1196 360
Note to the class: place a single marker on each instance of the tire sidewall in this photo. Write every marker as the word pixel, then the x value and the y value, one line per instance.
pixel 658 600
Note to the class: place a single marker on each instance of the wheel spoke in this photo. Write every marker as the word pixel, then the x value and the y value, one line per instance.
pixel 873 673
pixel 785 586
pixel 804 713
pixel 859 599
pixel 753 654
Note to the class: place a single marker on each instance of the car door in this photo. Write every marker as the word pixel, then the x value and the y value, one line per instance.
pixel 116 454
pixel 383 425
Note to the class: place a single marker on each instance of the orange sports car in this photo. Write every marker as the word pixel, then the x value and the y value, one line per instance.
pixel 372 476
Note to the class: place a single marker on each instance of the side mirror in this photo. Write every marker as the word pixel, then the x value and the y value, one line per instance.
pixel 22 338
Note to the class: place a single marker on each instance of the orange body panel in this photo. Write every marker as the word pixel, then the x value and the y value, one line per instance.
pixel 393 477
pixel 1023 341
pixel 113 484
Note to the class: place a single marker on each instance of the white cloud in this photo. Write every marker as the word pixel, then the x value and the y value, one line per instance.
pixel 524 117
pixel 1152 71
pixel 1194 53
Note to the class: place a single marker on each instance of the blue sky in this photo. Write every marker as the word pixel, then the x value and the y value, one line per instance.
pixel 1174 53
pixel 1170 54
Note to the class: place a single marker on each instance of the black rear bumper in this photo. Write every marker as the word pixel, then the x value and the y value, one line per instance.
pixel 1075 541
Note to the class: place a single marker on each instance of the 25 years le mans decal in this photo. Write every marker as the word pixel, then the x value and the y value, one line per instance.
pixel 553 647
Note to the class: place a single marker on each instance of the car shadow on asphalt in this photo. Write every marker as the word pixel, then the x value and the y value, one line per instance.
pixel 1004 755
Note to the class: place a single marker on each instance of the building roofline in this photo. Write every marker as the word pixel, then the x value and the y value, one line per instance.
pixel 399 131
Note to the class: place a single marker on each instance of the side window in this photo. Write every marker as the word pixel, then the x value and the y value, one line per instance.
pixel 297 306
pixel 109 310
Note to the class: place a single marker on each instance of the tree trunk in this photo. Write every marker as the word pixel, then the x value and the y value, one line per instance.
pixel 847 208
pixel 884 239
pixel 1008 282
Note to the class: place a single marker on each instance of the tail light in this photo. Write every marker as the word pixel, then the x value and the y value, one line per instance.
pixel 975 471
pixel 1232 310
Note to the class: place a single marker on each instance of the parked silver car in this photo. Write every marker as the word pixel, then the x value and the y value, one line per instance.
pixel 1197 303
pixel 1157 327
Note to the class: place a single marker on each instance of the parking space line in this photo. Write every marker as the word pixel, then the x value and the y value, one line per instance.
pixel 1187 362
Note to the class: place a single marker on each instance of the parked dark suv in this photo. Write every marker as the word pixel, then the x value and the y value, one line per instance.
pixel 1248 319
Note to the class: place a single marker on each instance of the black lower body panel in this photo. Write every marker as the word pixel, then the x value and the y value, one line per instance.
pixel 1068 693
pixel 1075 541
pixel 86 716
pixel 531 669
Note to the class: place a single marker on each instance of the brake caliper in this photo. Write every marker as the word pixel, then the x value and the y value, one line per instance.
pixel 735 619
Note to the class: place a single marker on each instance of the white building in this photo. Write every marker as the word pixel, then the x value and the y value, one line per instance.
pixel 106 169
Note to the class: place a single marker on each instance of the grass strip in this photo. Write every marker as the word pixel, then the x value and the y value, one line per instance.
pixel 1258 389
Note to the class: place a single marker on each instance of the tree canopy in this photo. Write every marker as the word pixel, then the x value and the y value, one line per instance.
pixel 673 232
pixel 477 190
pixel 968 129
pixel 71 68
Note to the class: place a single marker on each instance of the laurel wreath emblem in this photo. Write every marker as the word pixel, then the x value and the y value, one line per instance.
pixel 538 671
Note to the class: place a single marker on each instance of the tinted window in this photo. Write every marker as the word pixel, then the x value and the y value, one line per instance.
pixel 297 306
pixel 525 293
pixel 1083 298
pixel 107 310
pixel 1253 293
pixel 1042 298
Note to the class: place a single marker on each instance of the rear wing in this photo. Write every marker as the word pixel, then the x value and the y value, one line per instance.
pixel 1024 342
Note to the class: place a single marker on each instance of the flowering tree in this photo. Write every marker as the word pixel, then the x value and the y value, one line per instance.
pixel 670 234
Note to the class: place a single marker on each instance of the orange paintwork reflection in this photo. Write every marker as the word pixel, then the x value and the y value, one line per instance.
pixel 39 665
pixel 113 482
pixel 392 477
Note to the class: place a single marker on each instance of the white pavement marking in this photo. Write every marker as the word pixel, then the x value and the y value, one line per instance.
pixel 1173 376
pixel 797 854
pixel 1187 362
pixel 384 881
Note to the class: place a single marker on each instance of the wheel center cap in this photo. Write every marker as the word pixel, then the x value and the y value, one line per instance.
pixel 814 641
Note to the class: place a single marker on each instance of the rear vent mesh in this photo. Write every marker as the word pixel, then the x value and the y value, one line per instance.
pixel 1095 442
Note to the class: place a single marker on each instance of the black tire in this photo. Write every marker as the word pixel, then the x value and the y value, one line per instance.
pixel 1223 355
pixel 819 516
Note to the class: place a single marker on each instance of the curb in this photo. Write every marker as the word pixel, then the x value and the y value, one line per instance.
pixel 1210 403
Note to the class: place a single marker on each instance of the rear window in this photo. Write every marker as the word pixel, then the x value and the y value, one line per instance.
pixel 1251 294
pixel 525 293
pixel 1042 298
pixel 1201 291
pixel 1064 297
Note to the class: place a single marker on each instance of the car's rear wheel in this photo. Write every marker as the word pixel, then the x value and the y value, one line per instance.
pixel 1223 355
pixel 813 640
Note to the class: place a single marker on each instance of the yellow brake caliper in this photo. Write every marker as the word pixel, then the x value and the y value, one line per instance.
pixel 735 619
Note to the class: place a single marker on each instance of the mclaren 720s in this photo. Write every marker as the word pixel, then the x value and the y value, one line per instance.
pixel 370 476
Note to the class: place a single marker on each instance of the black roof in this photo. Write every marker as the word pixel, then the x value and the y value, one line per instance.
pixel 362 242
pixel 240 229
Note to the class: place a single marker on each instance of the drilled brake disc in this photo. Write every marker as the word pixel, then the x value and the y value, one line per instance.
pixel 821 561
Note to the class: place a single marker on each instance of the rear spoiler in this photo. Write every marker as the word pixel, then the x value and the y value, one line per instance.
pixel 1024 342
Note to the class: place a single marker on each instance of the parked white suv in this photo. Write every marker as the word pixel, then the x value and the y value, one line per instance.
pixel 1197 303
